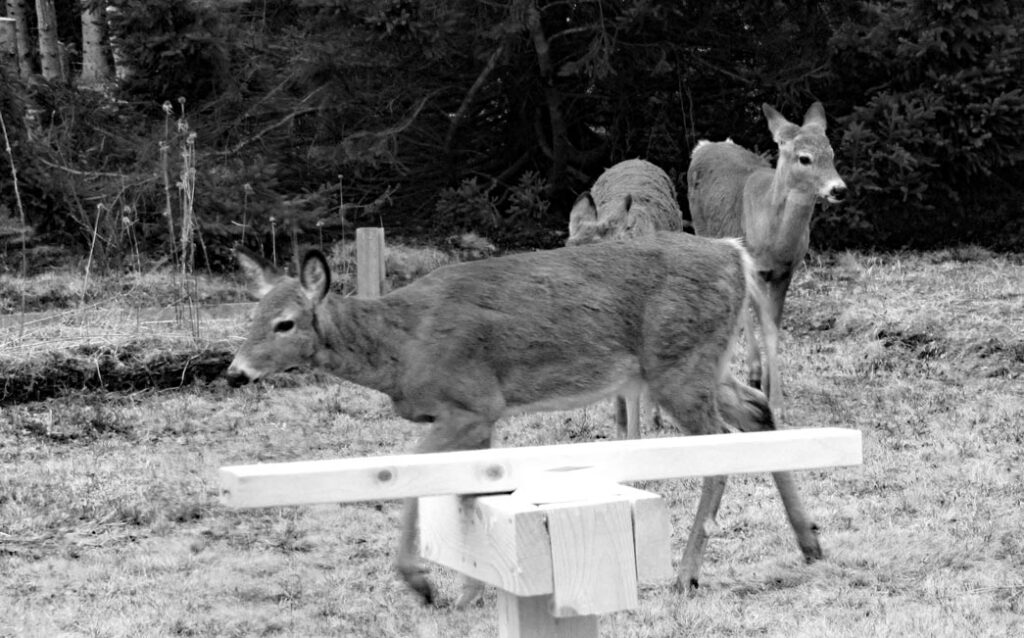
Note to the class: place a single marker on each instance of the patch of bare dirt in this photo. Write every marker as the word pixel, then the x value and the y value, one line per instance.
pixel 135 365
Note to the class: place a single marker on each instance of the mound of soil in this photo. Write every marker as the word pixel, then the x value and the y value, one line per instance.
pixel 136 365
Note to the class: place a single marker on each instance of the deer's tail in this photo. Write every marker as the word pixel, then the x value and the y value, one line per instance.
pixel 757 300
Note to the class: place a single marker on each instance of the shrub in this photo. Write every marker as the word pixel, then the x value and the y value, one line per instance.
pixel 176 48
pixel 935 137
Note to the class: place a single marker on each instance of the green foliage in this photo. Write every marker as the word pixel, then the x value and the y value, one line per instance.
pixel 436 117
pixel 471 205
pixel 174 48
pixel 527 217
pixel 932 143
pixel 518 216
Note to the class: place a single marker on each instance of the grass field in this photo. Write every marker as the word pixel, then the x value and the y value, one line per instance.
pixel 110 525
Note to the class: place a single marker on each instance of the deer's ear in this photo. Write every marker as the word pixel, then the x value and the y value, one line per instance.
pixel 315 275
pixel 259 271
pixel 782 129
pixel 815 116
pixel 618 215
pixel 583 211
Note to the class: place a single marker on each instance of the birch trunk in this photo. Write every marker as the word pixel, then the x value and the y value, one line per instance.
pixel 95 64
pixel 18 11
pixel 49 48
pixel 122 71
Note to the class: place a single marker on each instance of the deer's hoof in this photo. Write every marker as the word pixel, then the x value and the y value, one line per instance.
pixel 813 553
pixel 472 592
pixel 688 585
pixel 811 547
pixel 415 576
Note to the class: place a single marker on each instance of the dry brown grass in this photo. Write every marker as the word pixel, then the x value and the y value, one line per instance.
pixel 109 523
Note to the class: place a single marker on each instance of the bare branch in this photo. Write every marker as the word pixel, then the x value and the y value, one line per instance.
pixel 467 101
pixel 270 127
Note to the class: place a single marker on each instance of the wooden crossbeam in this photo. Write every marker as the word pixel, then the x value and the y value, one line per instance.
pixel 504 469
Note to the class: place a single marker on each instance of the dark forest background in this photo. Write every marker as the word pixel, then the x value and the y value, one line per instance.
pixel 273 119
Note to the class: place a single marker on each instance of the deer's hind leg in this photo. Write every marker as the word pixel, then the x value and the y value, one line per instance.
pixel 733 406
pixel 747 410
pixel 754 373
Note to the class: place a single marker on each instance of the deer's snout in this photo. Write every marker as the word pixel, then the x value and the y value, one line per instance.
pixel 836 193
pixel 236 376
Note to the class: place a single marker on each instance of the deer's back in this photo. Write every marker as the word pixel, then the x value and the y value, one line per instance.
pixel 610 275
pixel 715 181
pixel 573 321
pixel 650 188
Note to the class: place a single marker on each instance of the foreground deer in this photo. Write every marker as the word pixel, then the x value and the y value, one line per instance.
pixel 633 198
pixel 471 343
pixel 735 193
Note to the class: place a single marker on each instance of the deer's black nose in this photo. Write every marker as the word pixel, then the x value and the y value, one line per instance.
pixel 237 377
pixel 837 194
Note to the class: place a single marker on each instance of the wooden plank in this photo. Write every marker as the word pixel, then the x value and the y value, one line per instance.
pixel 503 540
pixel 652 536
pixel 499 540
pixel 530 617
pixel 652 527
pixel 503 469
pixel 370 262
pixel 592 557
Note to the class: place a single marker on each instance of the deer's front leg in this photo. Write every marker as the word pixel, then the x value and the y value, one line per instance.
pixel 703 522
pixel 627 416
pixel 410 566
pixel 458 431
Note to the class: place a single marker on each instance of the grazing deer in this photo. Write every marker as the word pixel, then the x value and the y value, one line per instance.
pixel 735 193
pixel 633 198
pixel 471 343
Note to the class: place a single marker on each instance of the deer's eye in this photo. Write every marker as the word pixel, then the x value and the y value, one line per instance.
pixel 805 160
pixel 284 326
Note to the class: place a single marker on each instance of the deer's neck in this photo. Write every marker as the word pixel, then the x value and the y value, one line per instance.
pixel 360 342
pixel 778 227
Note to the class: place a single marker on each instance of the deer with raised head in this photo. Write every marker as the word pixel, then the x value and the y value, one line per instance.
pixel 733 192
pixel 471 343
pixel 633 198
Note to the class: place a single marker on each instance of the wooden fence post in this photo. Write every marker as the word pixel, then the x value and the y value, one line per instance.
pixel 370 262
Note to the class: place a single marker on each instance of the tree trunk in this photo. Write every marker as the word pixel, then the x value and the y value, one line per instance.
pixel 122 70
pixel 18 11
pixel 8 46
pixel 95 64
pixel 553 97
pixel 49 48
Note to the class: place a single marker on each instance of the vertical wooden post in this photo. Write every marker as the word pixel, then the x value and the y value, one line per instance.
pixel 369 262
pixel 531 617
